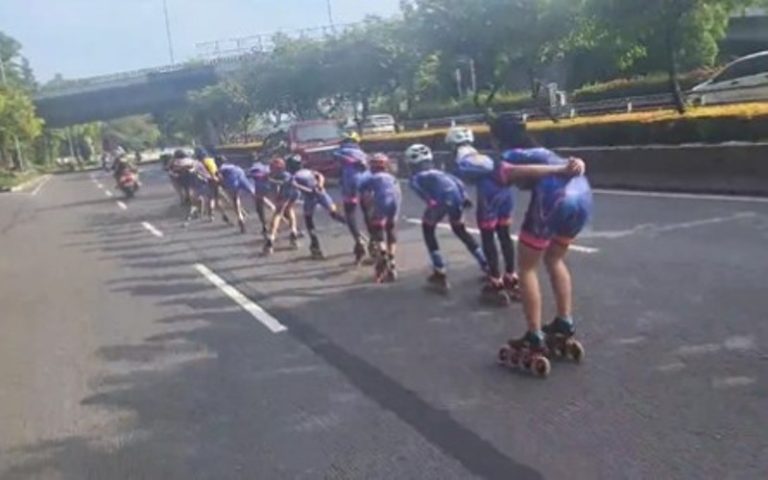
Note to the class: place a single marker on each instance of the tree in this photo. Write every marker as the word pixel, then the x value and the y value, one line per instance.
pixel 133 133
pixel 678 33
pixel 16 68
pixel 17 121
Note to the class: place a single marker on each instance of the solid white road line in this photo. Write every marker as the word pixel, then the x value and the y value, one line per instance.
pixel 122 205
pixel 41 185
pixel 108 193
pixel 683 196
pixel 475 231
pixel 99 186
pixel 256 311
pixel 151 229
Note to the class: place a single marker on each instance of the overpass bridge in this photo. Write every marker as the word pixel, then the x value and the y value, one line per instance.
pixel 156 89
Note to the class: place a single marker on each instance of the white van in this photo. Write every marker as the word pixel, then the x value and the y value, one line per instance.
pixel 743 80
pixel 376 124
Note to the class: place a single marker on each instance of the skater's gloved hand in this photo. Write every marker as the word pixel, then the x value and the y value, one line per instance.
pixel 576 167
pixel 467 204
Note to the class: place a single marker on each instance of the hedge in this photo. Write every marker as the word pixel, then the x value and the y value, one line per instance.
pixel 716 124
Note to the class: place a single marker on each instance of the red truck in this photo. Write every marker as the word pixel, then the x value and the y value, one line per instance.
pixel 316 141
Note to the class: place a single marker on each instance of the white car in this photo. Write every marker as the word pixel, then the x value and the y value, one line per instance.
pixel 743 80
pixel 376 124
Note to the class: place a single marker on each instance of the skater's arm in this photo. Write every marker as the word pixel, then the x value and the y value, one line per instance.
pixel 419 190
pixel 513 173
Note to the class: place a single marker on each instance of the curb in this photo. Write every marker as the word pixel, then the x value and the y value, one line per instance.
pixel 28 183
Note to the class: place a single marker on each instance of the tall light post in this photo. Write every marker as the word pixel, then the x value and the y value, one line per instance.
pixel 19 158
pixel 168 31
pixel 329 4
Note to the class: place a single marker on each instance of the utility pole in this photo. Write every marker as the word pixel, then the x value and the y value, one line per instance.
pixel 168 31
pixel 329 3
pixel 19 158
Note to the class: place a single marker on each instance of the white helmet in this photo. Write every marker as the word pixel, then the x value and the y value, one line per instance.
pixel 459 136
pixel 418 153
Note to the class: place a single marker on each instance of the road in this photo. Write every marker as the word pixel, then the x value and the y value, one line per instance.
pixel 119 359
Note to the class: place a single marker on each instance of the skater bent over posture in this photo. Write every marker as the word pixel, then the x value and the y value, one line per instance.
pixel 386 197
pixel 259 174
pixel 444 195
pixel 354 167
pixel 560 206
pixel 311 184
pixel 234 181
pixel 495 205
pixel 286 195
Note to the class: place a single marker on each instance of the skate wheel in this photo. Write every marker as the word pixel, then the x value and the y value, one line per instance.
pixel 541 366
pixel 576 351
pixel 504 355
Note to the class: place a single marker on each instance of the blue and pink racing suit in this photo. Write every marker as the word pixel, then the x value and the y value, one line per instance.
pixel 234 180
pixel 560 207
pixel 313 196
pixel 354 166
pixel 444 195
pixel 259 174
pixel 386 198
pixel 495 201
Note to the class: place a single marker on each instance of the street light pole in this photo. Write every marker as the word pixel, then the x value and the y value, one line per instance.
pixel 168 31
pixel 329 4
pixel 17 145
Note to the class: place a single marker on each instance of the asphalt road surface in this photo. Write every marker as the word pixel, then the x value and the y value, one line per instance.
pixel 135 348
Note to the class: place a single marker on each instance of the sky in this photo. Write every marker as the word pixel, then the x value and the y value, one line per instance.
pixel 81 38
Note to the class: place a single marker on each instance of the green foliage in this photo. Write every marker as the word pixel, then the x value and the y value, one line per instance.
pixel 132 133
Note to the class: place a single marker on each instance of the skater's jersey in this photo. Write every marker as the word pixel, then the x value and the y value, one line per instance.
pixel 383 187
pixel 473 166
pixel 259 173
pixel 306 179
pixel 353 162
pixel 438 188
pixel 560 206
pixel 234 179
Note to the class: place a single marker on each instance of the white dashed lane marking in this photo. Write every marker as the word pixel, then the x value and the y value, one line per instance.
pixel 151 229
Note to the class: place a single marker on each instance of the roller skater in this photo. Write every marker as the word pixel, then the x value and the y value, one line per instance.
pixel 560 206
pixel 259 174
pixel 311 184
pixel 354 167
pixel 235 181
pixel 383 191
pixel 495 204
pixel 286 196
pixel 444 195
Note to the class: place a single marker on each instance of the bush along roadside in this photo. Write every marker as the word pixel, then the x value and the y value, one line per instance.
pixel 9 180
pixel 743 123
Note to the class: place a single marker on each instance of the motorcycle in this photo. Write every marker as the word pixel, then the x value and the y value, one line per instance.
pixel 129 183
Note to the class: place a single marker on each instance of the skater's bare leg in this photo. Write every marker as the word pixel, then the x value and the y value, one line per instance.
pixel 529 285
pixel 391 239
pixel 560 279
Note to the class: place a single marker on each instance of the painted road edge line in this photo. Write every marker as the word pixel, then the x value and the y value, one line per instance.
pixel 249 306
pixel 41 185
pixel 474 231
pixel 122 205
pixel 151 229
pixel 679 195
pixel 108 193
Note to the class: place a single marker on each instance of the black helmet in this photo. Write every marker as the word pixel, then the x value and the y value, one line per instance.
pixel 293 163
pixel 510 129
pixel 200 153
pixel 179 154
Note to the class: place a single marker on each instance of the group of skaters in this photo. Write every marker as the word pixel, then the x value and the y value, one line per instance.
pixel 559 208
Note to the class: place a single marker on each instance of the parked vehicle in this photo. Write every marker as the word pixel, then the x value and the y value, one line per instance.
pixel 377 124
pixel 743 80
pixel 315 141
